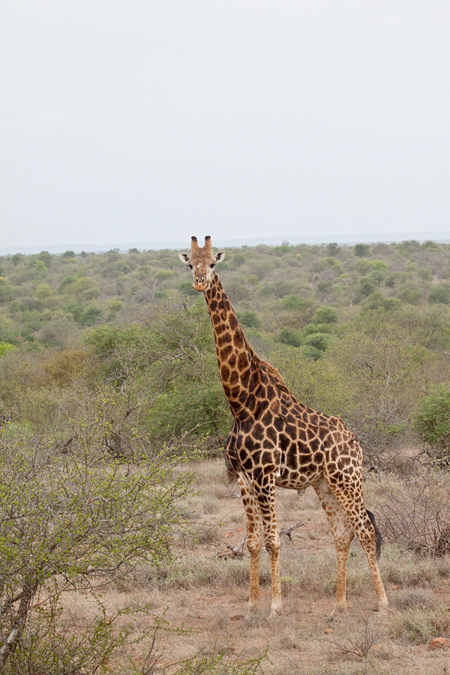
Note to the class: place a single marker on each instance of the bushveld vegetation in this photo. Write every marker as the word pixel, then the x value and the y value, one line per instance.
pixel 109 383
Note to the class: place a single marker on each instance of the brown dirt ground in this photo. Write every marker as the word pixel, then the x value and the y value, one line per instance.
pixel 302 640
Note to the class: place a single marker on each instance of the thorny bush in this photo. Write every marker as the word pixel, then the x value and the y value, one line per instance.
pixel 70 519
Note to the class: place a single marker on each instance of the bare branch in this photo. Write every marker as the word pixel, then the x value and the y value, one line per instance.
pixel 236 551
pixel 288 531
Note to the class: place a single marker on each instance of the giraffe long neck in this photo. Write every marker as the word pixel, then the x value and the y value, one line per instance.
pixel 239 366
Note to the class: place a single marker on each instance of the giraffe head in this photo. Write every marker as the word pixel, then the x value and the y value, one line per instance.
pixel 202 261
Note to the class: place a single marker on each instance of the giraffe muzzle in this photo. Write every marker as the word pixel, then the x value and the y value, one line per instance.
pixel 200 283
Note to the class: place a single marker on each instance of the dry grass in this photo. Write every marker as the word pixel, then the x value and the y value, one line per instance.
pixel 414 597
pixel 408 569
pixel 415 511
pixel 419 625
pixel 208 595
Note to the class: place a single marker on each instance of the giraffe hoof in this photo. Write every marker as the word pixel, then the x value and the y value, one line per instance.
pixel 338 609
pixel 381 609
pixel 275 611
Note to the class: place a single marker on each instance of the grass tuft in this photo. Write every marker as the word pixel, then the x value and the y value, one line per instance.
pixel 420 625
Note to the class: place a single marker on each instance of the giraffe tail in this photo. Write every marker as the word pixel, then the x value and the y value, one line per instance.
pixel 378 537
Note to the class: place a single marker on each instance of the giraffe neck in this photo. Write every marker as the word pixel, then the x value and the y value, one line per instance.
pixel 239 366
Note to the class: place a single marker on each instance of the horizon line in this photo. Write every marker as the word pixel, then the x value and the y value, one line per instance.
pixel 294 240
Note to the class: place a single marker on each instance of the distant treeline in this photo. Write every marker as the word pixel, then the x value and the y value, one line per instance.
pixel 361 331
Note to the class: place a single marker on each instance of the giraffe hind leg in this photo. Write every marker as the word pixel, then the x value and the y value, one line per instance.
pixel 351 500
pixel 343 535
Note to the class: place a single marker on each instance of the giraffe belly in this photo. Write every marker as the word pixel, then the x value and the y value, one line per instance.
pixel 298 480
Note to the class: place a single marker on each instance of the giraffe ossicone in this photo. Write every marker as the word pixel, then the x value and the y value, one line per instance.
pixel 277 441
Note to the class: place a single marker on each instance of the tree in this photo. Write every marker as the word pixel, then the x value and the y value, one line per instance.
pixel 66 519
pixel 319 341
pixel 386 360
pixel 166 365
pixel 439 294
pixel 333 248
pixel 6 347
pixel 361 250
pixel 289 336
pixel 432 420
pixel 325 314
pixel 249 319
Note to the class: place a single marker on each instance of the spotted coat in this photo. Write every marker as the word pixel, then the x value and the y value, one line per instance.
pixel 277 441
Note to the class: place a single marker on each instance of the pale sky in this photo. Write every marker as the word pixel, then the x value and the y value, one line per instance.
pixel 151 120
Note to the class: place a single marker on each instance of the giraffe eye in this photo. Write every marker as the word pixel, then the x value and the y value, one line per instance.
pixel 190 266
pixel 212 265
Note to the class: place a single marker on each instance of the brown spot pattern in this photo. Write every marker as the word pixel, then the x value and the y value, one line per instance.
pixel 275 440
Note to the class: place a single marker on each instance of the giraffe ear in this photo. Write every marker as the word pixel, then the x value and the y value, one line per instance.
pixel 219 256
pixel 184 258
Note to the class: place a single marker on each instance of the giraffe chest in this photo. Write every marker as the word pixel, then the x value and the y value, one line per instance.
pixel 283 447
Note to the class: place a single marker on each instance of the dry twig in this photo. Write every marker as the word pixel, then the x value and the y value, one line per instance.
pixel 238 551
pixel 288 531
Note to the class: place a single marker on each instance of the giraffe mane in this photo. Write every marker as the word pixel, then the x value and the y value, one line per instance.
pixel 270 369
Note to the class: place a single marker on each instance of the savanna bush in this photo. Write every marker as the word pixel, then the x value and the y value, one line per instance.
pixel 416 515
pixel 432 420
pixel 68 519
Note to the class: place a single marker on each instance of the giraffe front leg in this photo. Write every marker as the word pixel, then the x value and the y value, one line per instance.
pixel 276 605
pixel 266 500
pixel 254 539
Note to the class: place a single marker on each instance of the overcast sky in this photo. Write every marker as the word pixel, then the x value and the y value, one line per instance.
pixel 140 121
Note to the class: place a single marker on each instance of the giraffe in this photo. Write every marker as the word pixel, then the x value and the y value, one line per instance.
pixel 277 441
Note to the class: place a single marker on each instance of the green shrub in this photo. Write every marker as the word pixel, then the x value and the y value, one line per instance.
pixel 289 336
pixel 311 328
pixel 163 275
pixel 325 314
pixel 439 294
pixel 199 409
pixel 6 347
pixel 361 250
pixel 293 302
pixel 249 319
pixel 432 419
pixel 319 341
pixel 67 519
pixel 367 285
pixel 311 352
pixel 378 301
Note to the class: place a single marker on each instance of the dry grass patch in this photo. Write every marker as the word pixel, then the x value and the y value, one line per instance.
pixel 209 473
pixel 358 640
pixel 370 667
pixel 413 597
pixel 189 512
pixel 189 574
pixel 226 491
pixel 206 533
pixel 415 512
pixel 419 625
pixel 306 571
pixel 211 505
pixel 291 500
pixel 409 569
